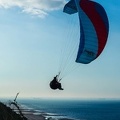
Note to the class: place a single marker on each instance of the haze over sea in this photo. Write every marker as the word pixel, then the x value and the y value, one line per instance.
pixel 77 109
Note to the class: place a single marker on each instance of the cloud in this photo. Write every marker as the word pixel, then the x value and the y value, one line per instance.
pixel 34 7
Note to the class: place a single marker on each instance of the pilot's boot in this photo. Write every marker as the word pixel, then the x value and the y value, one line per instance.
pixel 61 89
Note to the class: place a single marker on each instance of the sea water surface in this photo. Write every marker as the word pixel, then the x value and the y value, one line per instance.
pixel 77 109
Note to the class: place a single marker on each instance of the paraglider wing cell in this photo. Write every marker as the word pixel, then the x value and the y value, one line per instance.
pixel 70 7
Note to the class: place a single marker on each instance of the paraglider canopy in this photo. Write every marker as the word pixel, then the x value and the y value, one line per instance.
pixel 94 28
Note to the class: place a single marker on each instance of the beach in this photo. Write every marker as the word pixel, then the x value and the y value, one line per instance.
pixel 10 113
pixel 35 115
pixel 32 114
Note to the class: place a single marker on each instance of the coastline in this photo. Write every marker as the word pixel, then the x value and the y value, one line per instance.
pixel 44 116
pixel 28 113
pixel 66 110
pixel 38 115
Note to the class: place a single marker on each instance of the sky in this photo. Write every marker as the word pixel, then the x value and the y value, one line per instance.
pixel 35 36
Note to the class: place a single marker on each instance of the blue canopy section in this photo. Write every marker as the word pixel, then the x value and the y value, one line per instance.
pixel 70 7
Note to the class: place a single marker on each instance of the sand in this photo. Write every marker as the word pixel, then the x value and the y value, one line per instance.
pixel 34 117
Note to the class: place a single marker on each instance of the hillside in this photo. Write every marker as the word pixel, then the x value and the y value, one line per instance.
pixel 8 114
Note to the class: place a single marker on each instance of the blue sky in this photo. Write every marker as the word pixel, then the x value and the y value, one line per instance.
pixel 32 34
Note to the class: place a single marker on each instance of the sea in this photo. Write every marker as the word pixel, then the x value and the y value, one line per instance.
pixel 77 109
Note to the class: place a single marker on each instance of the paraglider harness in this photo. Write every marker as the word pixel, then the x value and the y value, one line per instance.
pixel 55 84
